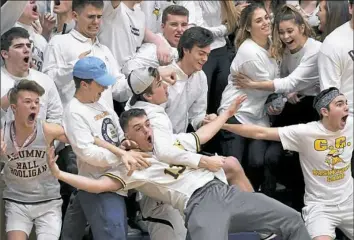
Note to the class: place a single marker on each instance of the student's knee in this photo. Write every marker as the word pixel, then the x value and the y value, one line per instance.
pixel 232 168
pixel 16 235
pixel 322 238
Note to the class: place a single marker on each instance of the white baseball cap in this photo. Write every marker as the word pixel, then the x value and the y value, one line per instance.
pixel 140 79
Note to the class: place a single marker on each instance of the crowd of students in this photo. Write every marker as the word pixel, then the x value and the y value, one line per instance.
pixel 193 111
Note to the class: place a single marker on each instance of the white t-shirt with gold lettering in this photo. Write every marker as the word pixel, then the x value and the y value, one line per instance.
pixel 325 159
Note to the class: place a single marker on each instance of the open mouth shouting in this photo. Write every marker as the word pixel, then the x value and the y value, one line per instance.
pixel 31 118
pixel 26 59
pixel 344 119
pixel 149 139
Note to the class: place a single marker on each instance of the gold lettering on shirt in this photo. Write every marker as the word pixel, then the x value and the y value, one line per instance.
pixel 333 157
pixel 101 115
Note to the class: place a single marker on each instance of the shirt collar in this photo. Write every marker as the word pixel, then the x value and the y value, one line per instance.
pixel 4 70
pixel 179 72
pixel 82 38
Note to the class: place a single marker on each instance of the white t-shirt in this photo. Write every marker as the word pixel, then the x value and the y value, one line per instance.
pixel 38 48
pixel 82 122
pixel 335 62
pixel 255 62
pixel 122 30
pixel 187 100
pixel 299 71
pixel 325 158
pixel 51 109
pixel 63 52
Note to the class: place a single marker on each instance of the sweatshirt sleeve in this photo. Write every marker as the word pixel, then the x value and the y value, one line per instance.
pixel 197 111
pixel 329 69
pixel 304 76
pixel 165 150
pixel 11 11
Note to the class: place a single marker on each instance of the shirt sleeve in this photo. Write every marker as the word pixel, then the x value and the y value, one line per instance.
pixel 11 11
pixel 291 137
pixel 165 150
pixel 82 141
pixel 197 111
pixel 329 70
pixel 219 31
pixel 304 76
pixel 55 108
pixel 55 66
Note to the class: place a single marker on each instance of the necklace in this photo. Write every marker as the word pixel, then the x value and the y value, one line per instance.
pixel 29 139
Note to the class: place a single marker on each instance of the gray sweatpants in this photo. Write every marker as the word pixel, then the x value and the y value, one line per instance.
pixel 217 209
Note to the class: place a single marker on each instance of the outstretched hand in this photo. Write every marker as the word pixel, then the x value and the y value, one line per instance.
pixel 235 105
pixel 51 160
pixel 135 161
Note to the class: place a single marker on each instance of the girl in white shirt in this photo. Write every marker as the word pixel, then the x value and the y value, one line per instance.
pixel 299 73
pixel 332 14
pixel 253 58
pixel 298 52
pixel 221 18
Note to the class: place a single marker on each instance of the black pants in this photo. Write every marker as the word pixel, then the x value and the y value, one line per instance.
pixel 249 152
pixel 278 162
pixel 217 70
pixel 67 163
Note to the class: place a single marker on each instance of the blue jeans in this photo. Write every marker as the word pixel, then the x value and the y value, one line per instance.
pixel 75 222
pixel 106 214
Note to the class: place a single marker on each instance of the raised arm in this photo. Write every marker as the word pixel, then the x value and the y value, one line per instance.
pixel 163 49
pixel 53 132
pixel 11 11
pixel 208 131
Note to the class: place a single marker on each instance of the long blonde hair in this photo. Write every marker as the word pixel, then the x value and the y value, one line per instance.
pixel 245 23
pixel 230 15
pixel 285 13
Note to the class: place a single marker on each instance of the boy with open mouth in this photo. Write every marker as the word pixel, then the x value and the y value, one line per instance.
pixel 32 194
pixel 325 148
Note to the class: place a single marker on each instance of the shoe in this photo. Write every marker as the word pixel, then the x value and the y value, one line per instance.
pixel 267 236
pixel 133 232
